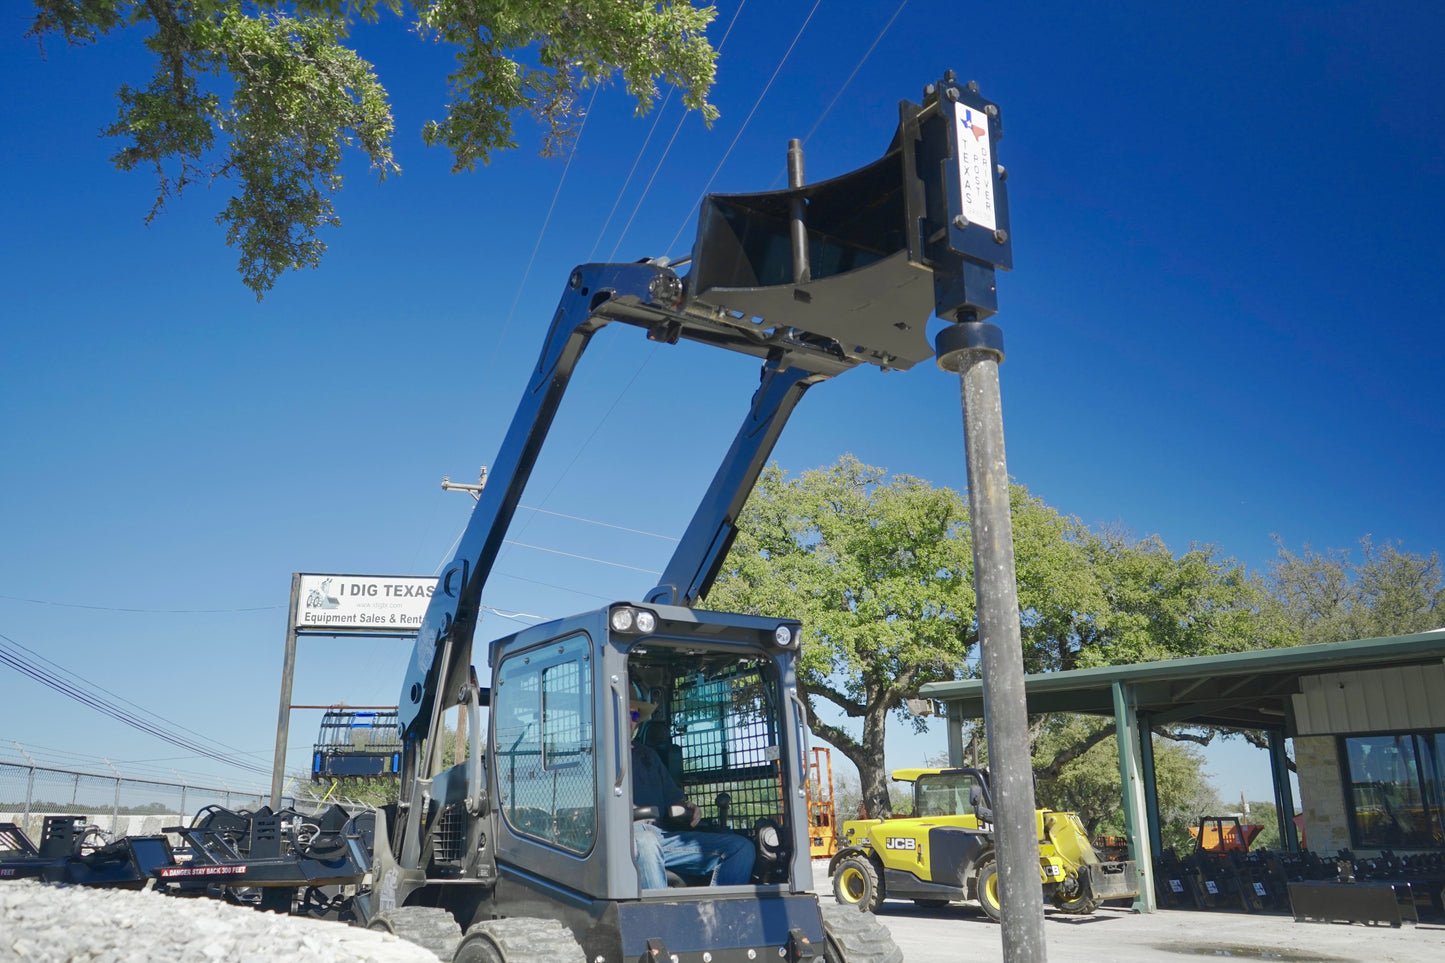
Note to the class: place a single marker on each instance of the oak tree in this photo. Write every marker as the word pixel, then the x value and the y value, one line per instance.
pixel 271 95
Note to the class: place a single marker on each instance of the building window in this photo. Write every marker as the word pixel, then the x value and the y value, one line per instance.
pixel 1393 789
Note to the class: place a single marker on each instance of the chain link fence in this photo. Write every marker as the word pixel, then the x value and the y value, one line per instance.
pixel 123 806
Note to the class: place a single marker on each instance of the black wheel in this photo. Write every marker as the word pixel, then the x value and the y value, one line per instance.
pixel 986 887
pixel 427 926
pixel 519 940
pixel 856 884
pixel 931 903
pixel 1072 899
pixel 851 937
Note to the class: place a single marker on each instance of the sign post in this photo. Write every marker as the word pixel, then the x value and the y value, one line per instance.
pixel 366 606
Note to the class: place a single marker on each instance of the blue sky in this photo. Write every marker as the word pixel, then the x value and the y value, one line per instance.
pixel 1223 324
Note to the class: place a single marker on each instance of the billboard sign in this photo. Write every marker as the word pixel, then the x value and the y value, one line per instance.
pixel 362 603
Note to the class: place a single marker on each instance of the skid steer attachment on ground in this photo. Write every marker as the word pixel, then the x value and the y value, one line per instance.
pixel 70 851
pixel 282 861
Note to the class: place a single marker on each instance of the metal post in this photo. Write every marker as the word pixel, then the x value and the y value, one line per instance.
pixel 1283 792
pixel 974 349
pixel 29 794
pixel 798 225
pixel 1126 733
pixel 1151 785
pixel 288 673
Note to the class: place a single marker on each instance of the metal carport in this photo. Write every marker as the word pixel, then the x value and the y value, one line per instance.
pixel 1245 690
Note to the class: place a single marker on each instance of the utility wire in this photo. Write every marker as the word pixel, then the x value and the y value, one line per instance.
pixel 637 160
pixel 73 686
pixel 541 234
pixel 593 521
pixel 668 149
pixel 585 558
pixel 115 608
pixel 758 103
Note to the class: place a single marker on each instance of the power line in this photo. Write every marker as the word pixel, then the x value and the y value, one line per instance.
pixel 541 234
pixel 628 180
pixel 585 558
pixel 593 521
pixel 114 608
pixel 73 686
pixel 668 149
pixel 727 153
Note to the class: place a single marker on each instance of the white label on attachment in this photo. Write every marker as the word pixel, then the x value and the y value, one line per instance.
pixel 975 166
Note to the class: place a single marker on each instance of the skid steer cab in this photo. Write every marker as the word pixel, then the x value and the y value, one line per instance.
pixel 525 851
pixel 945 852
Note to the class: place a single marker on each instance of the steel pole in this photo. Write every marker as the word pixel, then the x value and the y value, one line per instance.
pixel 797 215
pixel 974 349
pixel 288 674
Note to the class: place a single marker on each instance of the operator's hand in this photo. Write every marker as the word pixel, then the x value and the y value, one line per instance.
pixel 693 813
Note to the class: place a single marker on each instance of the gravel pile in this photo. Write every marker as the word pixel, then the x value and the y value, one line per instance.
pixel 41 923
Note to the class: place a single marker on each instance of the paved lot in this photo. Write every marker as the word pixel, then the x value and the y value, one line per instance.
pixel 961 933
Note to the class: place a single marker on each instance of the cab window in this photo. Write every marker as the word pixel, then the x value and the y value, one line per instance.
pixel 542 712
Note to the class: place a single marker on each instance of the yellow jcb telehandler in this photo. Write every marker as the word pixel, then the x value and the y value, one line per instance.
pixel 945 852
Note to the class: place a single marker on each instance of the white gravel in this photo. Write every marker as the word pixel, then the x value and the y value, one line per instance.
pixel 42 923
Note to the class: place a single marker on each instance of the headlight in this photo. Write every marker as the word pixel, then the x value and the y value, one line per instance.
pixel 783 635
pixel 627 619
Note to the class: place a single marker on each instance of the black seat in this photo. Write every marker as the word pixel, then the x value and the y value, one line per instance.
pixel 657 735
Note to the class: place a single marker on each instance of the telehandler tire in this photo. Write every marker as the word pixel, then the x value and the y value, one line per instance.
pixel 856 884
pixel 1078 906
pixel 519 940
pixel 985 884
pixel 853 937
pixel 429 927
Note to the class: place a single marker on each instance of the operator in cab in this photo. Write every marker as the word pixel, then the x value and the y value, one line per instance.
pixel 727 857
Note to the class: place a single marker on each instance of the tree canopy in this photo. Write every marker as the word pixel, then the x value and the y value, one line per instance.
pixel 880 571
pixel 1330 597
pixel 269 95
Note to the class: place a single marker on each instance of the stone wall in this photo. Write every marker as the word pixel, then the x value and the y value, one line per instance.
pixel 1322 796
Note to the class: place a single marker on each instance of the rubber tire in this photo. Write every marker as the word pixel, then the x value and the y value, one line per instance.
pixel 1078 906
pixel 519 939
pixel 429 927
pixel 931 903
pixel 985 886
pixel 856 884
pixel 853 937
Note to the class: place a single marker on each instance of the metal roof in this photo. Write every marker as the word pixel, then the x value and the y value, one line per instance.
pixel 1247 690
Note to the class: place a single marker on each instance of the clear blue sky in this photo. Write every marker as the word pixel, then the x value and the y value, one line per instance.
pixel 1224 323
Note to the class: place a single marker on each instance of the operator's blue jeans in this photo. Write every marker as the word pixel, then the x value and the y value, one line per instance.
pixel 727 856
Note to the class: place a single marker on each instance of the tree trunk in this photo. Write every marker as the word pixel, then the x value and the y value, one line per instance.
pixel 872 767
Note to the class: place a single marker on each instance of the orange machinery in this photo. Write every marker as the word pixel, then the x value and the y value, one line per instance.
pixel 1222 834
pixel 822 819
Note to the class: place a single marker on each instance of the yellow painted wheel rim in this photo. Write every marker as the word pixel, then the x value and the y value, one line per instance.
pixel 853 885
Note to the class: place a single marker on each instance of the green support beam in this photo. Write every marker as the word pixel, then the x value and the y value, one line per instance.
pixel 1283 793
pixel 1131 777
pixel 1151 787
